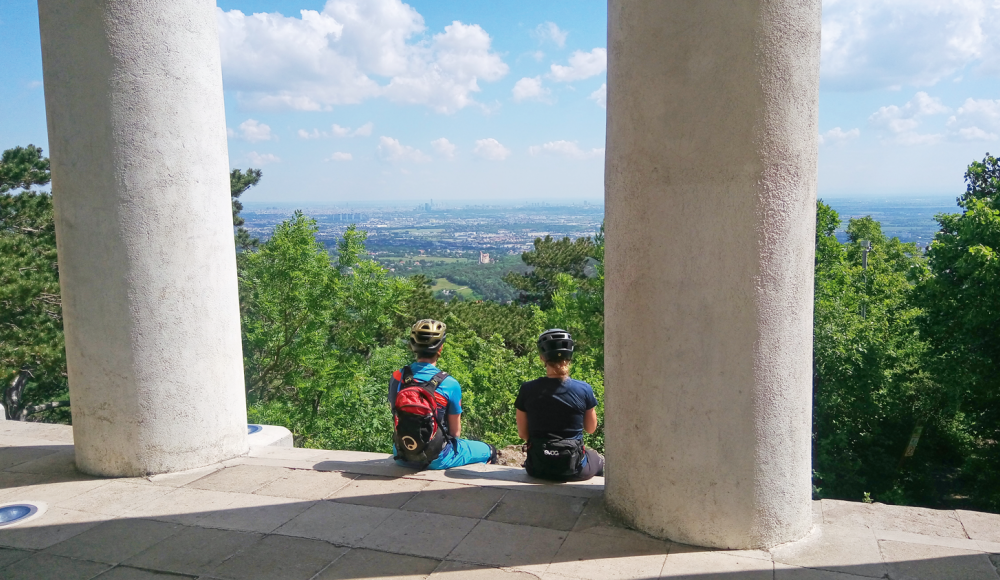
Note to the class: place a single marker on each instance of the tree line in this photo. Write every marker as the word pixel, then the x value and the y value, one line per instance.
pixel 906 375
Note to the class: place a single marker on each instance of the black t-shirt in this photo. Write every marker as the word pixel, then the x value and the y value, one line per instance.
pixel 555 407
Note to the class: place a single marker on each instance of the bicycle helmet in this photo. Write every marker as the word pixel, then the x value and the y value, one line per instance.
pixel 555 345
pixel 427 336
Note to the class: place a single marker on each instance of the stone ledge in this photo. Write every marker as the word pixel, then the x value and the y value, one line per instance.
pixel 358 515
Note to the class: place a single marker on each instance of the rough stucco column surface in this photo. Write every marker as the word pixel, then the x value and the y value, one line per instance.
pixel 711 187
pixel 137 136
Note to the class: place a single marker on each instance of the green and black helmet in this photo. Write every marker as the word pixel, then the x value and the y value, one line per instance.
pixel 427 336
pixel 555 345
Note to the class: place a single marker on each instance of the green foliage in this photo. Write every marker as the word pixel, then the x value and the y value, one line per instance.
pixel 548 259
pixel 22 168
pixel 486 280
pixel 287 294
pixel 311 333
pixel 960 294
pixel 239 182
pixel 321 341
pixel 32 351
pixel 870 385
pixel 578 306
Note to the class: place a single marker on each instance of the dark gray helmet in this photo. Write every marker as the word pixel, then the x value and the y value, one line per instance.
pixel 555 345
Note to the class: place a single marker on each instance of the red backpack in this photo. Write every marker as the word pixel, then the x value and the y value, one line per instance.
pixel 418 432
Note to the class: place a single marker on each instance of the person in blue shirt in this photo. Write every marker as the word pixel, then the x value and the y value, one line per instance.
pixel 553 412
pixel 427 339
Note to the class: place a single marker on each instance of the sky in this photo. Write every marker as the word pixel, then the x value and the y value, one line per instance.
pixel 461 102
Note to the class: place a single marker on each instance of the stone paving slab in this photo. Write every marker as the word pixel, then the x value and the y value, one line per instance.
pixel 39 431
pixel 419 534
pixel 61 462
pixel 8 556
pixel 499 544
pixel 452 499
pixel 924 521
pixel 255 513
pixel 378 491
pixel 180 478
pixel 837 549
pixel 279 558
pixel 54 526
pixel 48 566
pixel 340 523
pixel 239 478
pixel 307 484
pixel 557 512
pixel 113 499
pixel 194 551
pixel 362 563
pixel 920 561
pixel 980 526
pixel 600 557
pixel 702 564
pixel 182 506
pixel 463 571
pixel 13 456
pixel 293 513
pixel 115 541
pixel 786 572
pixel 54 491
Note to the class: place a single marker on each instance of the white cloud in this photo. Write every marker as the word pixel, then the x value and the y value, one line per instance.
pixel 252 131
pixel 262 158
pixel 315 134
pixel 600 96
pixel 837 136
pixel 364 130
pixel 491 149
pixel 901 123
pixel 549 31
pixel 352 51
pixel 341 156
pixel 976 134
pixel 873 44
pixel 568 149
pixel 582 65
pixel 530 88
pixel 976 120
pixel 338 131
pixel 444 148
pixel 391 150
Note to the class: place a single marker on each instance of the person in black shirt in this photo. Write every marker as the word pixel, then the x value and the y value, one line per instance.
pixel 552 414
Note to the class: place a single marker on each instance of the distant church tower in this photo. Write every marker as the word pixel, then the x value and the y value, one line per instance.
pixel 484 258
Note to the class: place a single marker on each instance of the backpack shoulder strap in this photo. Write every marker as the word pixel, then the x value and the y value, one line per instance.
pixel 407 375
pixel 435 382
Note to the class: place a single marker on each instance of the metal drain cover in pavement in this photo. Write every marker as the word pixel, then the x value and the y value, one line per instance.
pixel 14 513
pixel 251 429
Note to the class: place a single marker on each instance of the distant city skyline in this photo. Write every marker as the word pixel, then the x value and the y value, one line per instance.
pixel 382 100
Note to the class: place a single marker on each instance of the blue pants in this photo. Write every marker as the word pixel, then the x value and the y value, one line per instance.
pixel 464 452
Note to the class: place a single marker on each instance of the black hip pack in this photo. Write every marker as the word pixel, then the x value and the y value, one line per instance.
pixel 555 459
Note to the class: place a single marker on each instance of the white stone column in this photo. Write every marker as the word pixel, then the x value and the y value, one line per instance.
pixel 137 136
pixel 711 189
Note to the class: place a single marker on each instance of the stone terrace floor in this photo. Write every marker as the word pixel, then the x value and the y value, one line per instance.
pixel 284 513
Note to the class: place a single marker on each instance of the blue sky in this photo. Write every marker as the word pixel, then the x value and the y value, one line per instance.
pixel 377 100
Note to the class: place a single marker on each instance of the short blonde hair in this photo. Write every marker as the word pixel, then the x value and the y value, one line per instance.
pixel 561 367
